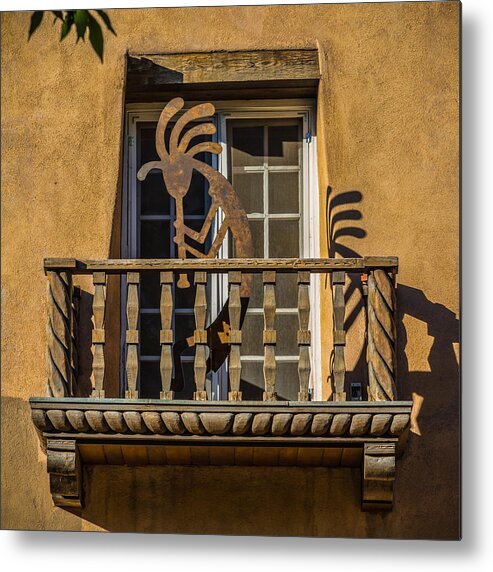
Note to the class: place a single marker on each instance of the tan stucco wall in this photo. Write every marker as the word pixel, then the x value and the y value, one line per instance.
pixel 387 126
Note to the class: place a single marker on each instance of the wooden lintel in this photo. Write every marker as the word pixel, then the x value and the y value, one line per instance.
pixel 224 66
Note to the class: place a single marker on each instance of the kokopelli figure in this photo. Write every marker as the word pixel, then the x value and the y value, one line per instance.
pixel 177 165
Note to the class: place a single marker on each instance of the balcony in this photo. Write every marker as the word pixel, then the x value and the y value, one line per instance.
pixel 77 429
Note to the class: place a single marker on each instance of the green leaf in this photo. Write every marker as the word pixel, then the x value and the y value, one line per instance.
pixel 36 19
pixel 81 19
pixel 96 37
pixel 58 15
pixel 106 19
pixel 67 25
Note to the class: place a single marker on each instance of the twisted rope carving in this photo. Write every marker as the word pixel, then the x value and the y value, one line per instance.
pixel 214 423
pixel 61 326
pixel 381 337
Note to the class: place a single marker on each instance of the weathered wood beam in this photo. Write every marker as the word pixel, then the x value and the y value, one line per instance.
pixel 149 70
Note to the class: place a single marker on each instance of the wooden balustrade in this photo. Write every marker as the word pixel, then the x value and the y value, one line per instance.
pixel 381 331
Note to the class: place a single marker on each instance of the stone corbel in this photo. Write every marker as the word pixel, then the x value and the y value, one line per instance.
pixel 378 476
pixel 64 468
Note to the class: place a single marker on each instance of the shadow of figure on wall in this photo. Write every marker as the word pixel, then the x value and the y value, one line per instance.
pixel 342 218
pixel 443 326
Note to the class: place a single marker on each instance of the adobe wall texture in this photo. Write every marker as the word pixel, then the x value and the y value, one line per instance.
pixel 387 127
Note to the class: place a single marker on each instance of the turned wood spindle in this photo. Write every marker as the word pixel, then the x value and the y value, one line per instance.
pixel 98 333
pixel 132 335
pixel 166 337
pixel 339 364
pixel 200 336
pixel 234 309
pixel 381 347
pixel 304 334
pixel 269 335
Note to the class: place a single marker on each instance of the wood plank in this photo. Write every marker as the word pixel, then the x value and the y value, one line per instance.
pixel 199 455
pixel 93 454
pixel 178 455
pixel 288 456
pixel 157 455
pixel 220 67
pixel 332 457
pixel 221 456
pixel 266 456
pixel 244 456
pixel 284 89
pixel 252 265
pixel 135 455
pixel 351 456
pixel 310 457
pixel 114 455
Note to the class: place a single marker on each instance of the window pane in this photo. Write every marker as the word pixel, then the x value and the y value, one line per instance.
pixel 150 290
pixel 284 192
pixel 251 337
pixel 284 238
pixel 247 146
pixel 252 380
pixel 150 324
pixel 150 380
pixel 257 230
pixel 287 328
pixel 148 145
pixel 284 144
pixel 288 388
pixel 154 198
pixel 184 326
pixel 256 299
pixel 287 290
pixel 154 239
pixel 250 189
pixel 194 202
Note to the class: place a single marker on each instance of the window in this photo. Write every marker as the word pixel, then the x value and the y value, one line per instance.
pixel 267 157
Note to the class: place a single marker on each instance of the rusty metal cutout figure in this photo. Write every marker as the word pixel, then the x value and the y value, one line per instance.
pixel 177 165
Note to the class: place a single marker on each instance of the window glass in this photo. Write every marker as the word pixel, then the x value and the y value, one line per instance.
pixel 265 166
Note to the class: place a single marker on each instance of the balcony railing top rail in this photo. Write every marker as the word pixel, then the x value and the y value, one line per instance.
pixel 119 266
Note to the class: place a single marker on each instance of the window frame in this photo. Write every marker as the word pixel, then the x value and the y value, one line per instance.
pixel 309 206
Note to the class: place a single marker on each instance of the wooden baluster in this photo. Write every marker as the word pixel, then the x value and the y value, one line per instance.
pixel 200 336
pixel 269 337
pixel 234 308
pixel 339 364
pixel 166 335
pixel 381 352
pixel 304 335
pixel 61 382
pixel 98 333
pixel 132 335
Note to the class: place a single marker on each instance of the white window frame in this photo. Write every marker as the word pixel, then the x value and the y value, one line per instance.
pixel 310 239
